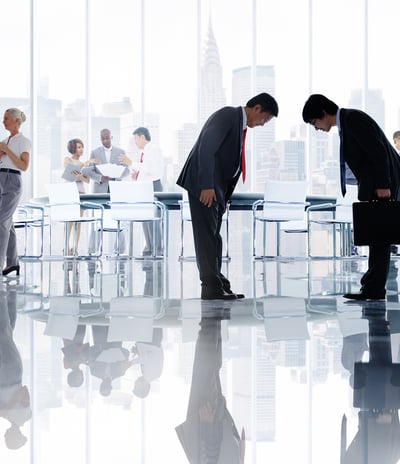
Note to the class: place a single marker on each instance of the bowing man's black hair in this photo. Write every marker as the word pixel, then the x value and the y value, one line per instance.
pixel 266 101
pixel 316 106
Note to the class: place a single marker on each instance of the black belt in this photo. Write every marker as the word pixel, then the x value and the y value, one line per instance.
pixel 11 171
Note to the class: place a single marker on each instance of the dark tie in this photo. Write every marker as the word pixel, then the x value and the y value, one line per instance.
pixel 140 161
pixel 243 156
pixel 342 168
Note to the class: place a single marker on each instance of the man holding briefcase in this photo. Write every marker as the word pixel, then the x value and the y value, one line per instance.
pixel 376 166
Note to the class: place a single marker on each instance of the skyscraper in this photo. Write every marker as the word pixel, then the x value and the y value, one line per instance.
pixel 211 98
pixel 212 95
pixel 374 104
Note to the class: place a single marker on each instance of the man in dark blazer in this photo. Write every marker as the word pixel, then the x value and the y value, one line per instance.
pixel 210 174
pixel 209 433
pixel 376 166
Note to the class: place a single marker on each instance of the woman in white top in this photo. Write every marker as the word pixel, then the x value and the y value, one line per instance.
pixel 75 147
pixel 14 158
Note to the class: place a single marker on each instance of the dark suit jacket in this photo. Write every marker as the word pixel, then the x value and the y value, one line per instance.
pixel 214 161
pixel 369 154
pixel 218 440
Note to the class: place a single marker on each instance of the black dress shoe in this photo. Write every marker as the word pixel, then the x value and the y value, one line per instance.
pixel 222 295
pixel 238 295
pixel 365 296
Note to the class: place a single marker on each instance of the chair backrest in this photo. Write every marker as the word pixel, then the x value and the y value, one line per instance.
pixel 64 201
pixel 344 208
pixel 185 208
pixel 63 318
pixel 132 201
pixel 284 200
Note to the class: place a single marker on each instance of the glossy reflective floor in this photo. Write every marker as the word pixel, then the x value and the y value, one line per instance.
pixel 121 362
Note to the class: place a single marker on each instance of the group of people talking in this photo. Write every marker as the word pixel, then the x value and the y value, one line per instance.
pixel 148 167
pixel 210 174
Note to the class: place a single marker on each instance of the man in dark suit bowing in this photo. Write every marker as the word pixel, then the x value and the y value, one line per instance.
pixel 210 174
pixel 376 166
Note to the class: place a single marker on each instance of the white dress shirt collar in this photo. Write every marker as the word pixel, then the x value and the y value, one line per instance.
pixel 107 152
pixel 244 118
pixel 338 120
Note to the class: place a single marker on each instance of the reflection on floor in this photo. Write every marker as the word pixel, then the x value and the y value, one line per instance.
pixel 107 361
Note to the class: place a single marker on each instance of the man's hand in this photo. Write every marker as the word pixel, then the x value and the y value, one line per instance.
pixel 207 197
pixel 123 159
pixel 382 193
pixel 104 179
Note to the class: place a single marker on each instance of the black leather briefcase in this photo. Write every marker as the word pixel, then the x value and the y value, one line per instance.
pixel 376 222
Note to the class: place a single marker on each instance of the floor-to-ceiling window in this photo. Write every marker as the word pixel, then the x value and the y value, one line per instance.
pixel 79 66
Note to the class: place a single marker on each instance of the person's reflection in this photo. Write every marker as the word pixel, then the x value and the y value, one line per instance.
pixel 71 278
pixel 153 278
pixel 392 286
pixel 14 397
pixel 377 395
pixel 150 356
pixel 107 360
pixel 76 353
pixel 209 434
pixel 92 268
pixel 353 349
pixel 95 269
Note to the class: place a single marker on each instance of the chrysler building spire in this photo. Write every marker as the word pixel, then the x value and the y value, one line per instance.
pixel 212 95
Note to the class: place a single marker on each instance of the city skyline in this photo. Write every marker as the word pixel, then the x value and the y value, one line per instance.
pixel 176 125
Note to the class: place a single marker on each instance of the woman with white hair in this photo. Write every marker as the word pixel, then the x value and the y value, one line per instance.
pixel 14 158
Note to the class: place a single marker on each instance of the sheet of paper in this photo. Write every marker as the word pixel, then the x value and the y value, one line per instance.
pixel 111 170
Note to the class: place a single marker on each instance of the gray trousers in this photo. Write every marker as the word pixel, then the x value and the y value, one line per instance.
pixel 152 232
pixel 10 194
pixel 94 241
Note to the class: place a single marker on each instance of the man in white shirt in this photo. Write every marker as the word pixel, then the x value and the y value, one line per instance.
pixel 149 167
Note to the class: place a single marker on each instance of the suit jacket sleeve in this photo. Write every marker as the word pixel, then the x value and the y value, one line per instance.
pixel 91 171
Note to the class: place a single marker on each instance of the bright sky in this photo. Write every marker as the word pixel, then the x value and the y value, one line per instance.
pixel 170 77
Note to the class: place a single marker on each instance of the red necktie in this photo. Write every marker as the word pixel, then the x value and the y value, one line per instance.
pixel 140 161
pixel 243 157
